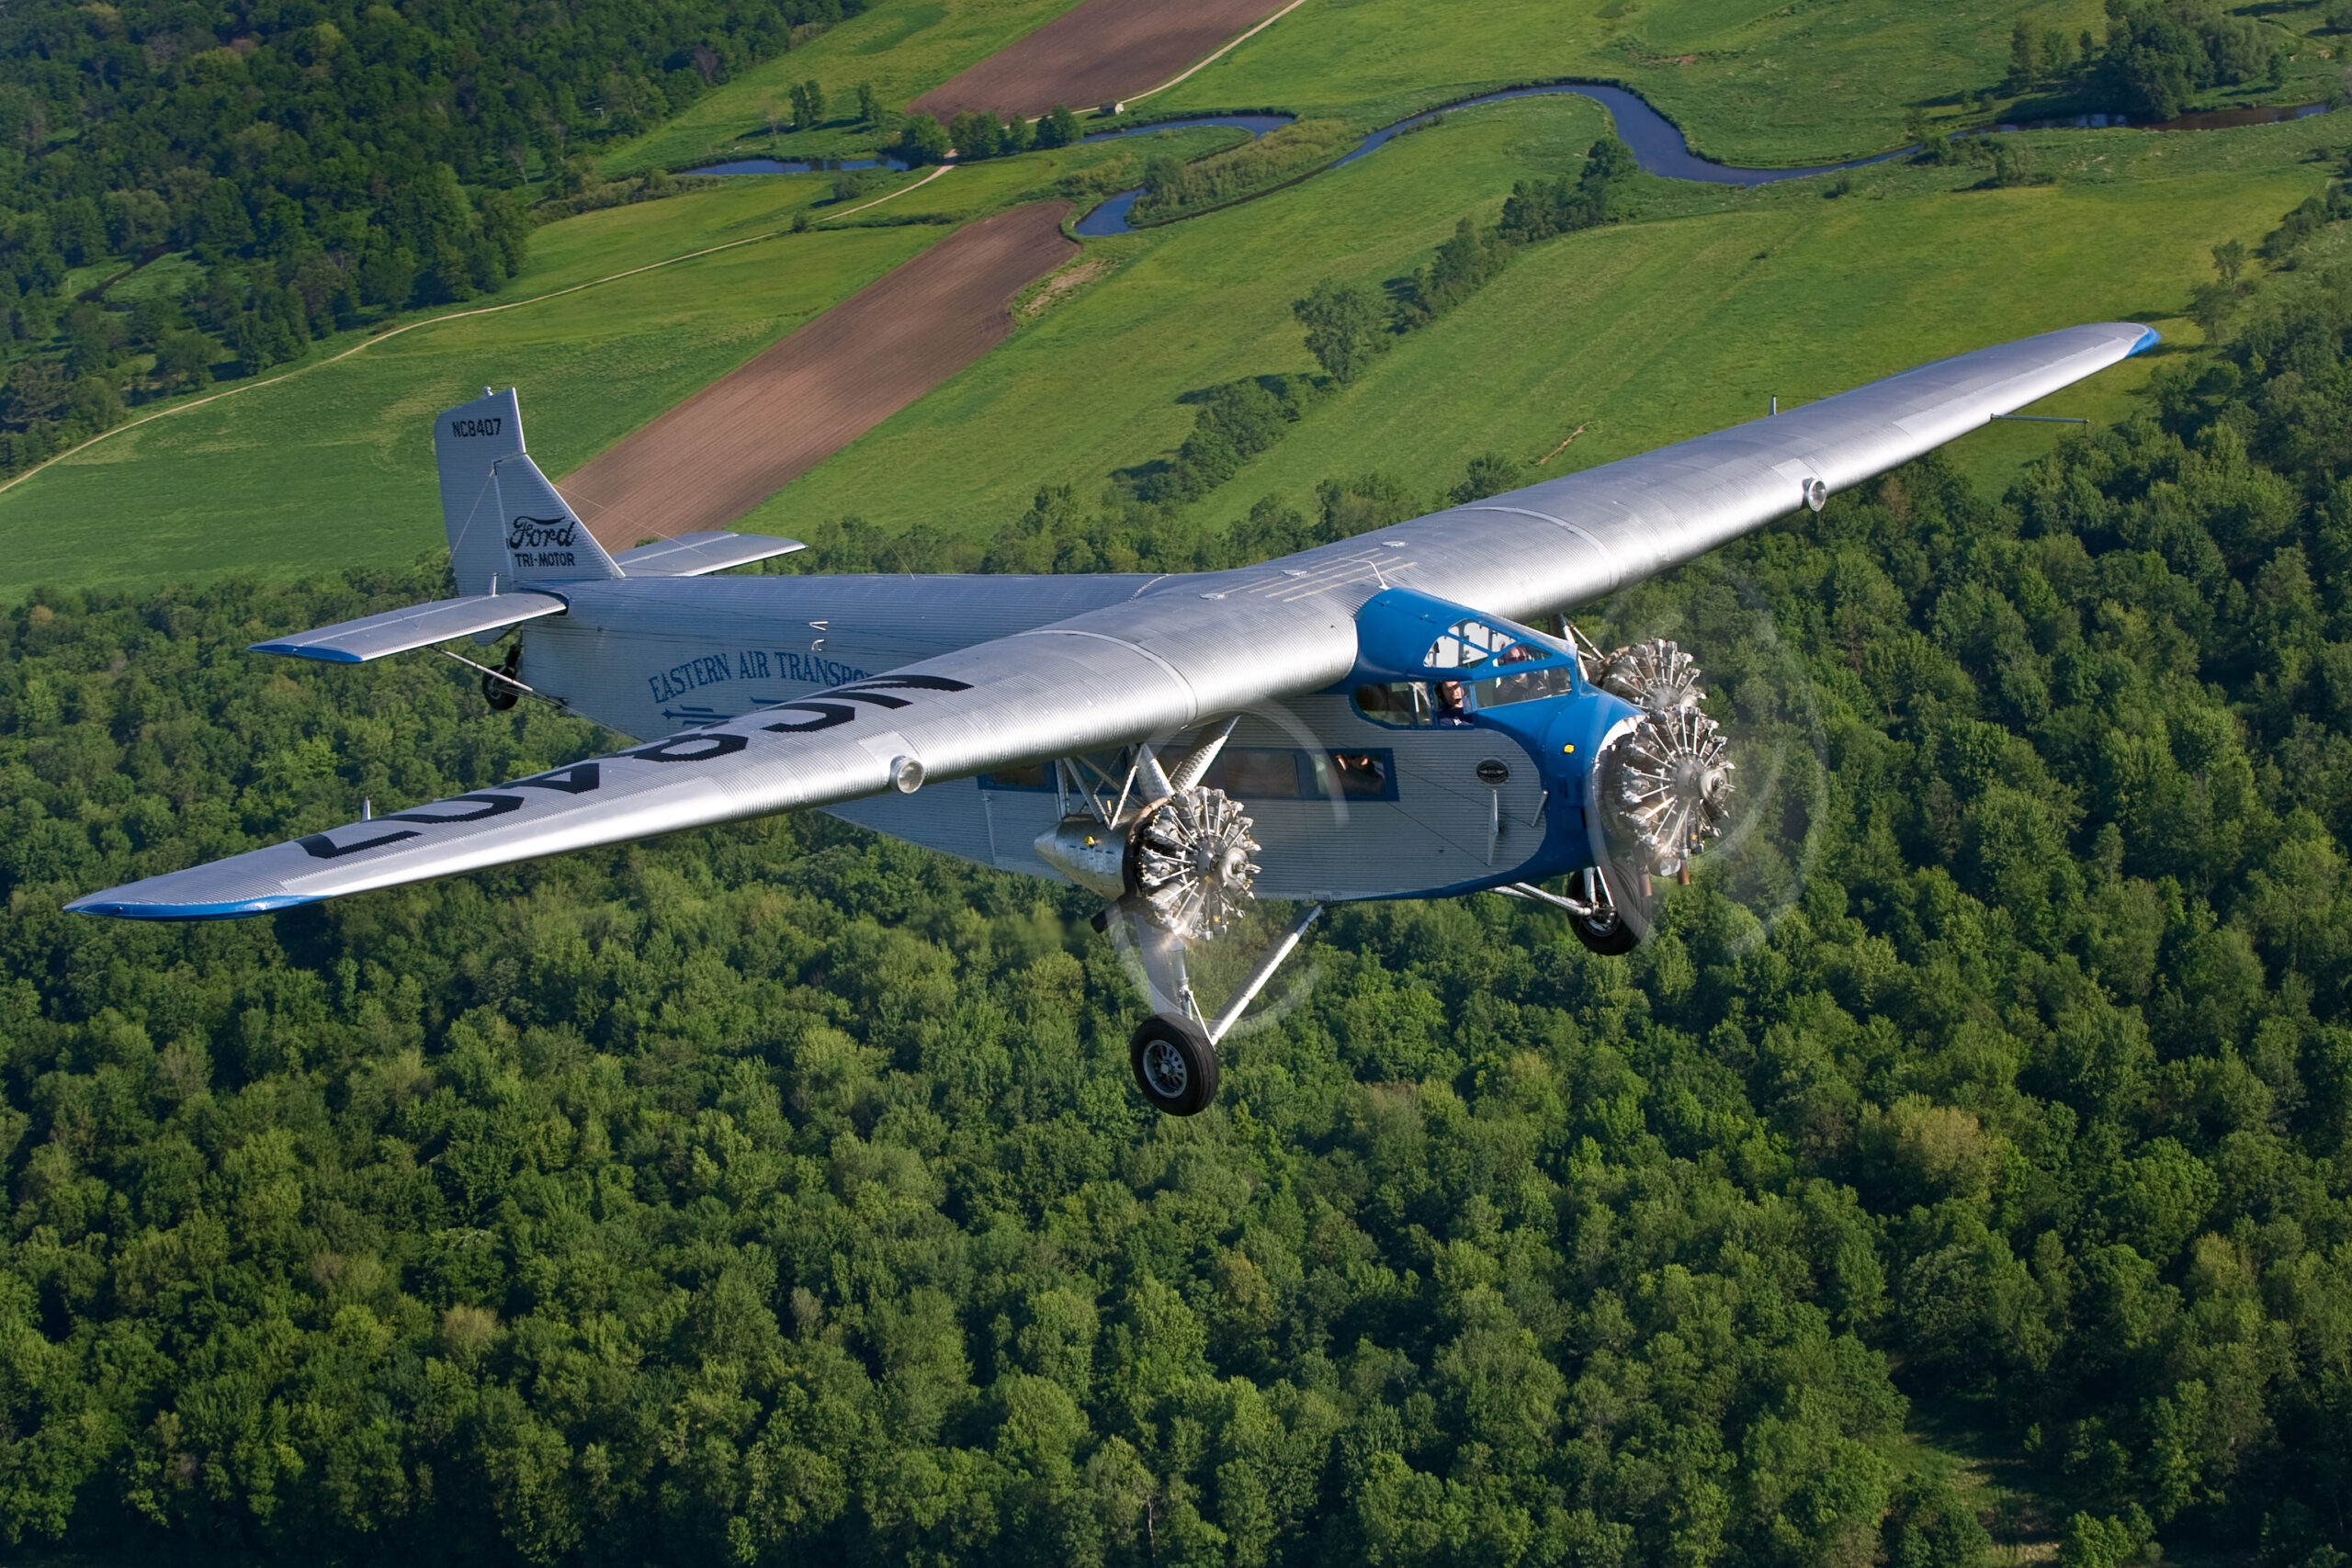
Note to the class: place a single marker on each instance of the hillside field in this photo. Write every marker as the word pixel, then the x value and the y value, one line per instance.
pixel 246 482
pixel 1750 81
pixel 902 47
pixel 1643 332
pixel 1799 295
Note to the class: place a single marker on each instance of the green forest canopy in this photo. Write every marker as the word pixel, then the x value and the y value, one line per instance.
pixel 776 1194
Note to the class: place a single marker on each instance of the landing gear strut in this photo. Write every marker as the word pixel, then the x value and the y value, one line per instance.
pixel 1173 1052
pixel 1176 869
pixel 1592 914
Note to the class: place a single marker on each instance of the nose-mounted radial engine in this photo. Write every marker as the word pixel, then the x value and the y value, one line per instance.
pixel 1667 783
pixel 1660 788
pixel 1172 855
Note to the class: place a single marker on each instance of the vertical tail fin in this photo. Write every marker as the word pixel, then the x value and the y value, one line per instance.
pixel 508 527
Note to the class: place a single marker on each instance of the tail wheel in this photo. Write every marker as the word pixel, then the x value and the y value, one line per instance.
pixel 502 695
pixel 1174 1064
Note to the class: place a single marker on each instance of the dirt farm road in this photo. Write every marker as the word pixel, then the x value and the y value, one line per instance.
pixel 724 450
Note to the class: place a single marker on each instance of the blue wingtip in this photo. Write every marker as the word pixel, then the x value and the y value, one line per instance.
pixel 297 651
pixel 2149 337
pixel 99 904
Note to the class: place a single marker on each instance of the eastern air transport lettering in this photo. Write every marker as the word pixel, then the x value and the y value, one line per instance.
pixel 815 670
pixel 677 681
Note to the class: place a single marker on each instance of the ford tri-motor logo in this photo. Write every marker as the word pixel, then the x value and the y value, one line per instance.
pixel 539 533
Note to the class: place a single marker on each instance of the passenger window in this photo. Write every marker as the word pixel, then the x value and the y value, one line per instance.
pixel 1254 773
pixel 1362 776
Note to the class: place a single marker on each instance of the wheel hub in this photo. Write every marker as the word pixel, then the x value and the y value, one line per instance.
pixel 1164 1066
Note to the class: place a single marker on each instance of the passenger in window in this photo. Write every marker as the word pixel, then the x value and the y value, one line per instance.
pixel 1362 776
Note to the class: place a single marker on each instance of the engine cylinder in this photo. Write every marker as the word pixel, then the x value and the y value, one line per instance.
pixel 1184 858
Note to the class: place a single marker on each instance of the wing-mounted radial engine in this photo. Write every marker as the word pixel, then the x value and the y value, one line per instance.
pixel 1172 856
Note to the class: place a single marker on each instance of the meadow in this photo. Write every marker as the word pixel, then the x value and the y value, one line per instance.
pixel 1689 318
pixel 329 465
pixel 1751 82
pixel 1600 335
pixel 902 47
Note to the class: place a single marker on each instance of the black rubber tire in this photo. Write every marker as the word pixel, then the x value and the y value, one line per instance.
pixel 1611 937
pixel 1175 1066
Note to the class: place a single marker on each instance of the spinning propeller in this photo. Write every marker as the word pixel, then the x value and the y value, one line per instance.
pixel 1726 794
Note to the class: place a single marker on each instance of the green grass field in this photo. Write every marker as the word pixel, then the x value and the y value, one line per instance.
pixel 333 463
pixel 1759 83
pixel 1643 332
pixel 904 47
pixel 1689 318
pixel 242 483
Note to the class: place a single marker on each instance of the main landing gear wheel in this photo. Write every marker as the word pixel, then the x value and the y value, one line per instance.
pixel 1174 1064
pixel 1603 931
pixel 1605 934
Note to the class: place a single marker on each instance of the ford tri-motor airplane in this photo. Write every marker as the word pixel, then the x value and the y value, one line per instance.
pixel 1375 718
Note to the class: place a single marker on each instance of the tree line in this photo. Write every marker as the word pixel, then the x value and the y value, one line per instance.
pixel 2156 56
pixel 323 162
pixel 1348 323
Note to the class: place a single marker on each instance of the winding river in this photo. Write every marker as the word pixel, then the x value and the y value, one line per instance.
pixel 1656 141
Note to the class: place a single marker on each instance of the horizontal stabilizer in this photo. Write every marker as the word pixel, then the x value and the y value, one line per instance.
pixel 691 555
pixel 419 626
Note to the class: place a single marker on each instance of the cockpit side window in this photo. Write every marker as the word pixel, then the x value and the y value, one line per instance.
pixel 1501 690
pixel 1398 705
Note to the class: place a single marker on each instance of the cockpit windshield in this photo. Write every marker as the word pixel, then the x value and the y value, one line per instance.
pixel 1466 645
pixel 1481 651
pixel 1423 662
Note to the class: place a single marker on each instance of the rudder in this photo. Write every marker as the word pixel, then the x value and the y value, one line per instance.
pixel 508 526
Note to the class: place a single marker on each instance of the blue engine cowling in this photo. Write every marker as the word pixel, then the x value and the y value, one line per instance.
pixel 1482 671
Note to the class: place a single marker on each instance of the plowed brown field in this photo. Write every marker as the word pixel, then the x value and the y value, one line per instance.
pixel 1094 53
pixel 735 442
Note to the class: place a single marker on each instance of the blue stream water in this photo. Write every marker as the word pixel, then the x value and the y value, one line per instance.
pixel 1656 141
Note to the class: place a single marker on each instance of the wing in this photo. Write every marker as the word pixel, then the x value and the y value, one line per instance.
pixel 1099 680
pixel 419 626
pixel 1179 650
pixel 1575 539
